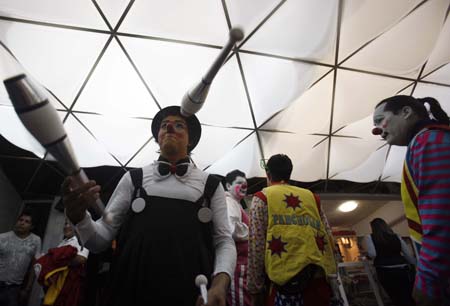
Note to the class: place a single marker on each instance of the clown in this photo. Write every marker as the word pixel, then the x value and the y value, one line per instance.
pixel 169 220
pixel 405 121
pixel 236 185
pixel 290 247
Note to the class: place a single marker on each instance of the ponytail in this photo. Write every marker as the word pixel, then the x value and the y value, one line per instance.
pixel 436 110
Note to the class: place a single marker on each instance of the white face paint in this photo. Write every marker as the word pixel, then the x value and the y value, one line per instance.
pixel 394 128
pixel 238 188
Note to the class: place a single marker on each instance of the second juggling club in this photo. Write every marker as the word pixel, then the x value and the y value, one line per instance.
pixel 201 282
pixel 193 100
pixel 42 121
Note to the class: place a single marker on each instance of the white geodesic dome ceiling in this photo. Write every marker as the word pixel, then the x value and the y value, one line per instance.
pixel 303 82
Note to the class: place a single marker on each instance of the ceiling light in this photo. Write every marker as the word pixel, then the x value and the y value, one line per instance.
pixel 348 206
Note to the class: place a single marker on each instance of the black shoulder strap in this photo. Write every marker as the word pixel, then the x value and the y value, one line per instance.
pixel 136 178
pixel 210 187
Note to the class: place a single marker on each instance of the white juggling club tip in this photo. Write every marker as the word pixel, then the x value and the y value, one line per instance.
pixel 195 97
pixel 201 281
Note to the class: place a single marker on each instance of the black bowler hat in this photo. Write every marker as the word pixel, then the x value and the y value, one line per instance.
pixel 193 125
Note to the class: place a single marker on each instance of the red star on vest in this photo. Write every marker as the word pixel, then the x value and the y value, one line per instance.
pixel 292 201
pixel 320 241
pixel 276 246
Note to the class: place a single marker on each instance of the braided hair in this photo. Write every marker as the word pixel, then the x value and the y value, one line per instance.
pixel 396 103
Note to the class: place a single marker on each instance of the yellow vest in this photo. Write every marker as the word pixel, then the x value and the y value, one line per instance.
pixel 296 235
pixel 410 194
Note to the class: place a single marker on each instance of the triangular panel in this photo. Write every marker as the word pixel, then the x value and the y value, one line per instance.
pixel 367 171
pixel 67 12
pixel 274 84
pixel 116 89
pixel 171 69
pixel 442 75
pixel 288 31
pixel 358 93
pixel 200 21
pixel 415 36
pixel 441 51
pixel 60 59
pixel 355 28
pixel 302 115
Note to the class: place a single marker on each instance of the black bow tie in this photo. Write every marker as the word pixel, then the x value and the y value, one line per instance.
pixel 180 168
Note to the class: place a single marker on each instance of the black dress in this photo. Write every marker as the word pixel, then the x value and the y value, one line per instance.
pixel 160 251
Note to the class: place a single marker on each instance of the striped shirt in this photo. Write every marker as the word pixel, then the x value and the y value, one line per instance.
pixel 428 159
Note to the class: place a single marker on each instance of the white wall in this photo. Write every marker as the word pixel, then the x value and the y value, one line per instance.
pixel 392 212
pixel 10 203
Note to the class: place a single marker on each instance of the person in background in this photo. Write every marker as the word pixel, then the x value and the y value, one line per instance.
pixel 18 249
pixel 289 244
pixel 423 126
pixel 62 271
pixel 236 186
pixel 392 261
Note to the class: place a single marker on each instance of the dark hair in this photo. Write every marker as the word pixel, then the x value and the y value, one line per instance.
pixel 279 168
pixel 231 176
pixel 27 212
pixel 381 231
pixel 396 103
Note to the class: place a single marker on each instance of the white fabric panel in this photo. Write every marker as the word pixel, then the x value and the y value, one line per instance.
pixel 419 32
pixel 171 69
pixel 302 115
pixel 367 171
pixel 67 12
pixel 89 151
pixel 392 171
pixel 116 89
pixel 355 28
pixel 146 156
pixel 227 103
pixel 13 130
pixel 358 93
pixel 349 153
pixel 113 10
pixel 441 51
pixel 275 83
pixel 214 143
pixel 442 94
pixel 309 162
pixel 442 75
pixel 303 29
pixel 245 156
pixel 60 59
pixel 121 137
pixel 200 20
pixel 248 14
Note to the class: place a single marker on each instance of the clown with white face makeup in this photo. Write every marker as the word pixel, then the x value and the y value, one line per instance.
pixel 236 185
pixel 406 121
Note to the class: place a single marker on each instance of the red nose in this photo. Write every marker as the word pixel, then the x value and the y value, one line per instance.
pixel 377 131
pixel 170 128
